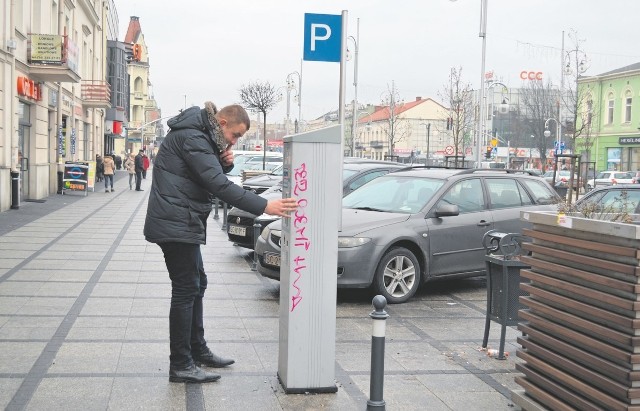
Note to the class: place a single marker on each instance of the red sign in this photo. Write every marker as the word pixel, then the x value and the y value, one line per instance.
pixel 448 150
pixel 530 75
pixel 29 88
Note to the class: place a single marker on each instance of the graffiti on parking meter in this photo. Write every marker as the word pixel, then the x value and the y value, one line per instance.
pixel 300 221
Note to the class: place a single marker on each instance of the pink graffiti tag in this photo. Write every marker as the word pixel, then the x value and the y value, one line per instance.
pixel 300 221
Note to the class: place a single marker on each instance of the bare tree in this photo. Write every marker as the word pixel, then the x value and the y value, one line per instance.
pixel 458 96
pixel 395 128
pixel 539 102
pixel 260 97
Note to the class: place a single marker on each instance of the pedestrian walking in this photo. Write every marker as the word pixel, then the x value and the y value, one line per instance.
pixel 118 161
pixel 188 169
pixel 130 166
pixel 99 168
pixel 139 168
pixel 145 164
pixel 109 171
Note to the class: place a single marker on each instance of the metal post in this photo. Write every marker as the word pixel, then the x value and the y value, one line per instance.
pixel 256 233
pixel 426 163
pixel 224 216
pixel 483 34
pixel 215 208
pixel 15 190
pixel 376 385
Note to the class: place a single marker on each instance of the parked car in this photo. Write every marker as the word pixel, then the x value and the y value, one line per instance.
pixel 355 173
pixel 262 183
pixel 613 199
pixel 428 224
pixel 635 177
pixel 607 178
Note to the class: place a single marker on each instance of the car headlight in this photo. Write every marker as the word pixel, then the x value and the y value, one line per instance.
pixel 265 233
pixel 349 242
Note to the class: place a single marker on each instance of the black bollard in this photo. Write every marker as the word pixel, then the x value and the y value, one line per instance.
pixel 15 190
pixel 376 385
pixel 256 233
pixel 60 182
pixel 215 208
pixel 224 216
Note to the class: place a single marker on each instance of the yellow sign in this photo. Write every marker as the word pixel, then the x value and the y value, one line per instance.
pixel 46 48
pixel 494 142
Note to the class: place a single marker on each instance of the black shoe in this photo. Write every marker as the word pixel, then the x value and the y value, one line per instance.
pixel 209 359
pixel 112 190
pixel 139 189
pixel 192 374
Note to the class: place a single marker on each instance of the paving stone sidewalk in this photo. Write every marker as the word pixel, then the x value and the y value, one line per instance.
pixel 84 304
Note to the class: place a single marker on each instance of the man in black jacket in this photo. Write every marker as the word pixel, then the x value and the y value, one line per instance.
pixel 188 170
pixel 139 169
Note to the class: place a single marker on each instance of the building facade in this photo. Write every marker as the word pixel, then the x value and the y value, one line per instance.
pixel 610 112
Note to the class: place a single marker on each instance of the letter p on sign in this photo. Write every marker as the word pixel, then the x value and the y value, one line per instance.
pixel 322 37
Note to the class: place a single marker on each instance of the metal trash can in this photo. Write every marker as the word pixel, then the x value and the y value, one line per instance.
pixel 562 191
pixel 503 282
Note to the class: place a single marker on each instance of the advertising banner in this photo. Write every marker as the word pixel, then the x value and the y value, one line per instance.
pixel 75 176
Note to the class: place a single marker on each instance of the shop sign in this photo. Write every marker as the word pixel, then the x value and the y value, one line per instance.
pixel 530 75
pixel 629 140
pixel 46 48
pixel 29 88
pixel 73 140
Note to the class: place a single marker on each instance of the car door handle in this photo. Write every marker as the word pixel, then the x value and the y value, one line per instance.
pixel 483 223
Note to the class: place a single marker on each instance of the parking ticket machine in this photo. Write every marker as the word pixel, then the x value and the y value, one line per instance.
pixel 309 251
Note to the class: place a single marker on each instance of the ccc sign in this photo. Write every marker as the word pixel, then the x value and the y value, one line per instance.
pixel 530 75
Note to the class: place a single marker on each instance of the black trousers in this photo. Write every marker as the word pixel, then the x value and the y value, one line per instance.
pixel 138 179
pixel 188 284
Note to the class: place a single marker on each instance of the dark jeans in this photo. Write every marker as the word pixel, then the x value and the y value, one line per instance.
pixel 188 284
pixel 108 178
pixel 138 179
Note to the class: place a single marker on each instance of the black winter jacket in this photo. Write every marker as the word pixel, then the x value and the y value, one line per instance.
pixel 186 174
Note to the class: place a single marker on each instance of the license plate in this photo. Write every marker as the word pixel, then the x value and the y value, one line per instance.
pixel 272 259
pixel 238 230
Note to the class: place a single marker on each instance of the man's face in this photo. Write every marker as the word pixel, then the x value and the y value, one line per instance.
pixel 232 132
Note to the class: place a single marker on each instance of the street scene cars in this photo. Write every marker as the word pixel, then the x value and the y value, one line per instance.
pixel 613 199
pixel 607 178
pixel 355 173
pixel 428 224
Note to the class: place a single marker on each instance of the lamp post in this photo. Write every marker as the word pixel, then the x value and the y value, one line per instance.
pixel 292 86
pixel 547 134
pixel 428 127
pixel 354 112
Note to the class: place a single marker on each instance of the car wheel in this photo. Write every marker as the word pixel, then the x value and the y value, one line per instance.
pixel 398 275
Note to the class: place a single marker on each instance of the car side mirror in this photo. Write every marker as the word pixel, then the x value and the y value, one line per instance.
pixel 447 210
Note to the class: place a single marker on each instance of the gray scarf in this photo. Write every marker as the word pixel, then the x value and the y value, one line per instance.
pixel 218 137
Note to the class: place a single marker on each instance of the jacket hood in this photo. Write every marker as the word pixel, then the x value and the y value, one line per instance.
pixel 190 118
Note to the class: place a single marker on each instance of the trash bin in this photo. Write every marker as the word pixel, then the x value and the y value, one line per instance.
pixel 503 282
pixel 562 191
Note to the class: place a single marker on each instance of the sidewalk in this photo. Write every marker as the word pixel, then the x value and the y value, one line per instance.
pixel 84 304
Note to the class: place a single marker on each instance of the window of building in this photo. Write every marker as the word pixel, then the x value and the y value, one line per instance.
pixel 610 109
pixel 627 107
pixel 589 111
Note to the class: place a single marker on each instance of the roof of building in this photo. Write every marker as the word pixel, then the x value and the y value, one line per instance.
pixel 133 31
pixel 630 67
pixel 383 113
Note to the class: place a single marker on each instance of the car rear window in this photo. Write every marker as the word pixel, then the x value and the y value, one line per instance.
pixel 542 193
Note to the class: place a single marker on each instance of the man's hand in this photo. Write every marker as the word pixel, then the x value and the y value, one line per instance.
pixel 281 207
pixel 226 157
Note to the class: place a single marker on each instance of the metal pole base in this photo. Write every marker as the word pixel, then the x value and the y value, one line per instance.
pixel 376 405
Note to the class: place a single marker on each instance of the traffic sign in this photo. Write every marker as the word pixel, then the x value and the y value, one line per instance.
pixel 494 142
pixel 322 37
pixel 448 150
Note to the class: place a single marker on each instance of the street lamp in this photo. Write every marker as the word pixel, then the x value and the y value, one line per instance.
pixel 428 126
pixel 547 134
pixel 291 86
pixel 354 112
pixel 483 34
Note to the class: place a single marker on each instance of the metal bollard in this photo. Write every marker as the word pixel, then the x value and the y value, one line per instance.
pixel 215 208
pixel 15 190
pixel 256 233
pixel 60 182
pixel 376 385
pixel 224 216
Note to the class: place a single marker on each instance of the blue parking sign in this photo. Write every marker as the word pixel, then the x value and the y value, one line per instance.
pixel 322 37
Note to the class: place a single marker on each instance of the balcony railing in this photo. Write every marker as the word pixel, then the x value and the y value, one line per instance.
pixel 376 144
pixel 52 58
pixel 138 95
pixel 96 93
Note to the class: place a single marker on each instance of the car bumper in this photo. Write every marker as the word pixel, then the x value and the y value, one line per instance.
pixel 356 265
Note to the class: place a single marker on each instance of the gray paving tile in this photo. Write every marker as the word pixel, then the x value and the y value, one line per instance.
pixel 28 328
pixel 19 358
pixel 152 307
pixel 406 392
pixel 107 306
pixel 84 393
pixel 150 358
pixel 46 306
pixel 153 290
pixel 148 329
pixel 8 388
pixel 114 290
pixel 10 262
pixel 89 357
pixel 147 393
pixel 242 393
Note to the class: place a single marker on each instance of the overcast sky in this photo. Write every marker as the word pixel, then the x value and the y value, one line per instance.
pixel 207 50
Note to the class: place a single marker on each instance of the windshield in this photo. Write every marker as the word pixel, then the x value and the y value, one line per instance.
pixel 402 194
